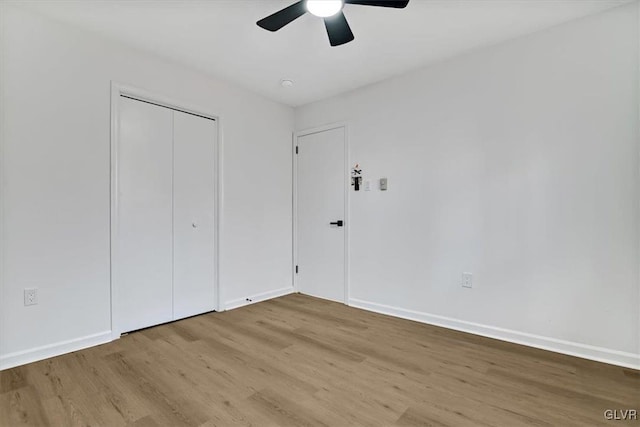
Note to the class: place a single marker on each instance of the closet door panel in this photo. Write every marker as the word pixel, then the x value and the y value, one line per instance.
pixel 143 268
pixel 194 188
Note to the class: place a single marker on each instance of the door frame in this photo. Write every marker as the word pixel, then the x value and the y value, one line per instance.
pixel 118 89
pixel 347 218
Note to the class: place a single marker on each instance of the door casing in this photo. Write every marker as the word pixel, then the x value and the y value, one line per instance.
pixel 346 186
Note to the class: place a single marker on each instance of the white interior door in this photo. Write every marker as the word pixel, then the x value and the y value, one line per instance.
pixel 144 215
pixel 320 202
pixel 194 186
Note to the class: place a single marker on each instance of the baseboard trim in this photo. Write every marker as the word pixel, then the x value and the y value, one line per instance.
pixel 18 358
pixel 598 354
pixel 240 302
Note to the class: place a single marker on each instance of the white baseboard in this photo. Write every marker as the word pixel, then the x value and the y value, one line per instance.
pixel 599 354
pixel 51 350
pixel 12 360
pixel 230 305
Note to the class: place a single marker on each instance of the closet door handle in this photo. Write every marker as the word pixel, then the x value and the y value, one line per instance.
pixel 339 223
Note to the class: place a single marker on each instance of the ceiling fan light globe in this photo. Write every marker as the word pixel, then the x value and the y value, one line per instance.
pixel 324 8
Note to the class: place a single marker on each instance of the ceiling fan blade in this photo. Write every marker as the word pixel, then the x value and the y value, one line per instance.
pixel 338 29
pixel 281 18
pixel 399 4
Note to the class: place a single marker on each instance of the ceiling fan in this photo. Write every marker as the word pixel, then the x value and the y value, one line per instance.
pixel 330 10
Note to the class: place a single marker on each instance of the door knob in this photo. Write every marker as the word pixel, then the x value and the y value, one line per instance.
pixel 339 223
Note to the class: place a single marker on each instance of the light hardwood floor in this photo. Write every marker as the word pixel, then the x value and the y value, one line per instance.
pixel 302 361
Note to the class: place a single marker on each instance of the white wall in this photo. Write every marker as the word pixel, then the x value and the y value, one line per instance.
pixel 518 163
pixel 55 181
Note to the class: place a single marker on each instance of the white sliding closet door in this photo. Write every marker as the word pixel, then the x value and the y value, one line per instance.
pixel 194 186
pixel 144 215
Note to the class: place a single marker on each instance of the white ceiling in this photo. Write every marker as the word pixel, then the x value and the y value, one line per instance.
pixel 220 37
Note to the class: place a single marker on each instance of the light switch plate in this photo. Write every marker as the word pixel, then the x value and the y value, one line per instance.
pixel 383 184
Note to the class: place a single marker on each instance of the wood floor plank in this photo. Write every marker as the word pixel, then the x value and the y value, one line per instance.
pixel 303 361
pixel 12 379
pixel 22 407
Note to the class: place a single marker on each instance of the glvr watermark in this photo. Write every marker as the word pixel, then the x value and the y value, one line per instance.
pixel 620 414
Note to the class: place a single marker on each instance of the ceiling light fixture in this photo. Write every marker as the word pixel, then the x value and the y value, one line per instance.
pixel 286 83
pixel 324 8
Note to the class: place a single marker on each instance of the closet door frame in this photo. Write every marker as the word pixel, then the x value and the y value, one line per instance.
pixel 118 90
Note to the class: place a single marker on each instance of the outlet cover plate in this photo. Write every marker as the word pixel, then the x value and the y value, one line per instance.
pixel 467 280
pixel 31 296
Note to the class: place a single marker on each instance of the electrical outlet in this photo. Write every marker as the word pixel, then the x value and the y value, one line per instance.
pixel 467 280
pixel 31 296
pixel 367 185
